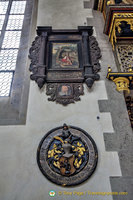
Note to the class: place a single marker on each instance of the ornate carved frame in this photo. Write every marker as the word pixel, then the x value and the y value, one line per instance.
pixel 89 55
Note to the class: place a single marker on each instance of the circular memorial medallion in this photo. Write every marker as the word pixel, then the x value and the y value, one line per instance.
pixel 67 155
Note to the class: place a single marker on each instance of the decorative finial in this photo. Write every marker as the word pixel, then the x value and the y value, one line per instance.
pixel 65 127
pixel 109 68
pixel 130 68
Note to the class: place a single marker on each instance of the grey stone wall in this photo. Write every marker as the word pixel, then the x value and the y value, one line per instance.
pixel 20 177
pixel 122 138
pixel 13 109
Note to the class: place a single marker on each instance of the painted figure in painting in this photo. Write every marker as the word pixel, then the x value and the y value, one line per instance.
pixel 64 90
pixel 65 55
pixel 66 60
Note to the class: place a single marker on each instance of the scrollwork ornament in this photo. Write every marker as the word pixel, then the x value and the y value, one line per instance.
pixel 34 53
pixel 78 90
pixel 95 54
pixel 51 90
pixel 37 68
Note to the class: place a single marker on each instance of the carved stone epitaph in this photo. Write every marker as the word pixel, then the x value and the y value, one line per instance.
pixel 67 155
pixel 65 59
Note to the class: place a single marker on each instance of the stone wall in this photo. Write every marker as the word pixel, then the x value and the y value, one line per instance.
pixel 20 177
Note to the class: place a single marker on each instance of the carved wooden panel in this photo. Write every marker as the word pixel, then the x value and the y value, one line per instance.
pixel 65 59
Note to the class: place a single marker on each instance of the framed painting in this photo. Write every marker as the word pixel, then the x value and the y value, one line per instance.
pixel 64 55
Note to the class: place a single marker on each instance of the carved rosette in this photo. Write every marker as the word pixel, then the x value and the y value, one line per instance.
pixel 67 155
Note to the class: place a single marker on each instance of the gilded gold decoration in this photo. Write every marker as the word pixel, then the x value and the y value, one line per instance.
pixel 100 4
pixel 112 78
pixel 54 153
pixel 127 1
pixel 110 2
pixel 67 155
pixel 66 152
pixel 123 80
pixel 116 22
pixel 104 9
pixel 109 68
pixel 58 138
pixel 57 164
pixel 130 69
pixel 79 149
pixel 78 163
pixel 122 84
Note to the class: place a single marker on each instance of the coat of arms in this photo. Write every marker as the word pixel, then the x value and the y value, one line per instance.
pixel 67 155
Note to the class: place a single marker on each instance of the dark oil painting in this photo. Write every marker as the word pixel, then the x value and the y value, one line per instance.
pixel 65 55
